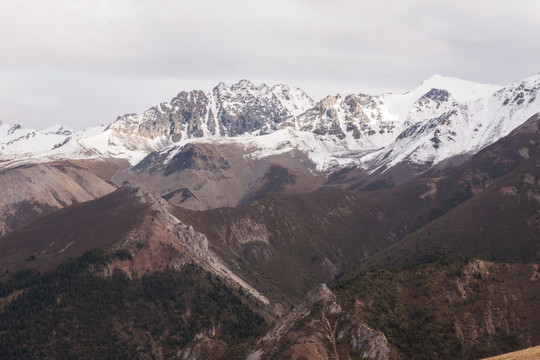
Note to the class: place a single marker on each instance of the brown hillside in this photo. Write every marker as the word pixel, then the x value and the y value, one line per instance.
pixel 451 309
pixel 295 241
pixel 499 221
pixel 29 192
pixel 71 231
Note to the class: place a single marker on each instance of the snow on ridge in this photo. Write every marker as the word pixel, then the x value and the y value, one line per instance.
pixel 336 131
pixel 461 90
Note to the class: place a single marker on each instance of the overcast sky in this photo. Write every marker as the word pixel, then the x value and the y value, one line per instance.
pixel 84 62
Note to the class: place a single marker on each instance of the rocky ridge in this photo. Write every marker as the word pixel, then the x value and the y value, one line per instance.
pixel 188 244
pixel 242 108
pixel 319 329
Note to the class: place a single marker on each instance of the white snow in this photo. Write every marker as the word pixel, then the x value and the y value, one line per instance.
pixel 461 90
pixel 470 118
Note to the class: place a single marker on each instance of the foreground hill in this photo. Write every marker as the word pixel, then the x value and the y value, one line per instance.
pixel 451 309
pixel 292 242
pixel 455 308
pixel 131 220
pixel 74 311
pixel 102 272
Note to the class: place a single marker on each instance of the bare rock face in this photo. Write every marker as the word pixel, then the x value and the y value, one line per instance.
pixel 319 329
pixel 362 339
pixel 320 294
pixel 242 108
pixel 182 116
pixel 197 242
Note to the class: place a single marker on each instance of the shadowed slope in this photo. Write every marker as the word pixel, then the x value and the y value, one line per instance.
pixel 71 231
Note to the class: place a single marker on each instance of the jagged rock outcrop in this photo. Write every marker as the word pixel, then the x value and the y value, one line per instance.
pixel 188 244
pixel 163 241
pixel 364 340
pixel 320 329
pixel 242 108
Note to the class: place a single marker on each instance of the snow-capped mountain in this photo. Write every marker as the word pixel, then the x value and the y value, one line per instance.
pixel 442 118
pixel 16 140
pixel 241 109
pixel 446 122
pixel 227 111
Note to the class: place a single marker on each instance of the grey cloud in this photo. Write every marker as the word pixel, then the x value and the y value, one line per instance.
pixel 84 62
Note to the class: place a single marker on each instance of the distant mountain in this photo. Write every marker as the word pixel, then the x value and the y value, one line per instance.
pixel 16 140
pixel 240 109
pixel 234 144
pixel 442 118
pixel 213 174
pixel 227 111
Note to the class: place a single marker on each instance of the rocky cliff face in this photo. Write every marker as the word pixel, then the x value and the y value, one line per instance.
pixel 242 108
pixel 319 329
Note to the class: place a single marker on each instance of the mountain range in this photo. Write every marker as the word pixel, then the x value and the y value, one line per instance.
pixel 405 206
pixel 442 118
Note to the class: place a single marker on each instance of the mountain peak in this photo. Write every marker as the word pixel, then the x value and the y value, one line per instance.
pixel 461 90
pixel 243 84
pixel 221 86
pixel 13 129
pixel 439 77
pixel 282 87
